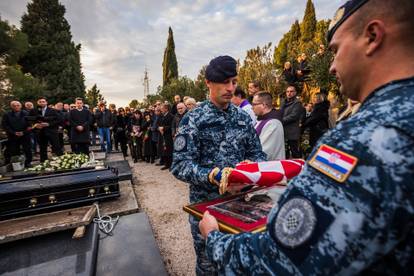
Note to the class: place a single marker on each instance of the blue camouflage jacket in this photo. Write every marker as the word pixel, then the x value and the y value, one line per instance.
pixel 323 227
pixel 207 138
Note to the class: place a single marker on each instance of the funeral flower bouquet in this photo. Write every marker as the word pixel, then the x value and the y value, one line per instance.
pixel 68 161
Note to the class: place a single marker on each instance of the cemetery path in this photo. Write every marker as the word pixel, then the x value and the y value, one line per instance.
pixel 161 196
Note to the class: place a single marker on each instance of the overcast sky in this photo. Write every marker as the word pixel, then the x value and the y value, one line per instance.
pixel 121 38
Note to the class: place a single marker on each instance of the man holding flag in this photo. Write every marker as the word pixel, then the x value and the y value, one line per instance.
pixel 210 138
pixel 351 210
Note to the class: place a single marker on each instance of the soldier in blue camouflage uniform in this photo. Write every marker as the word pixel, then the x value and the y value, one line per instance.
pixel 353 217
pixel 216 134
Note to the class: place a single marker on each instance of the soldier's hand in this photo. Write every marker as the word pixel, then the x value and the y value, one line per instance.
pixel 235 188
pixel 207 224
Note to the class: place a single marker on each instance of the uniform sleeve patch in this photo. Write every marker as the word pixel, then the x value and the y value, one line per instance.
pixel 299 225
pixel 334 163
pixel 180 143
pixel 295 222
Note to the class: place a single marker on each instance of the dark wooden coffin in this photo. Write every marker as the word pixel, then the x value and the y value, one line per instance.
pixel 32 195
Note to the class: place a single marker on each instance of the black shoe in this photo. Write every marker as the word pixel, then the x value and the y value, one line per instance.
pixel 165 168
pixel 159 164
pixel 152 161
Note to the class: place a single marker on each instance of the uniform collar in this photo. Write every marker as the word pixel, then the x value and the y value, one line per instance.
pixel 229 110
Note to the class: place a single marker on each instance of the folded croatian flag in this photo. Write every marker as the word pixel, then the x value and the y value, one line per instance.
pixel 261 173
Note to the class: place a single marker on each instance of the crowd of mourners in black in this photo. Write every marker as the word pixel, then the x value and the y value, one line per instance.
pixel 149 134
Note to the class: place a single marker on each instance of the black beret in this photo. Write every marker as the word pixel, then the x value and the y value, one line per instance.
pixel 221 68
pixel 342 14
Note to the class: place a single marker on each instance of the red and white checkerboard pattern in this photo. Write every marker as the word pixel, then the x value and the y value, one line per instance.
pixel 266 173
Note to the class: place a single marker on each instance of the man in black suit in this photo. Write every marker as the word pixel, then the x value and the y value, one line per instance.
pixel 47 129
pixel 18 131
pixel 80 121
pixel 165 129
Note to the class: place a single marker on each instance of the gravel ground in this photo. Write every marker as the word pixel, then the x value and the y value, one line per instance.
pixel 161 196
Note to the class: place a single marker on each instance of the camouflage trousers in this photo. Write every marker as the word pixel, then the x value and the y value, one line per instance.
pixel 203 264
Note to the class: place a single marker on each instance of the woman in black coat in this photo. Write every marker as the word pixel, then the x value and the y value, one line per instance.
pixel 120 130
pixel 318 121
pixel 136 135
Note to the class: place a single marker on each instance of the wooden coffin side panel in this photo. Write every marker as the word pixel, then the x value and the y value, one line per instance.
pixel 56 193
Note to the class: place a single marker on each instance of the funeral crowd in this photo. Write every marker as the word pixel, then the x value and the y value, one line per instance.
pixel 351 209
pixel 288 132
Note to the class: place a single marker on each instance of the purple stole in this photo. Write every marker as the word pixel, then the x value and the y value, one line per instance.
pixel 244 103
pixel 261 125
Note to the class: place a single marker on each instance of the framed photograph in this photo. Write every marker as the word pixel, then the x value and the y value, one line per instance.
pixel 246 212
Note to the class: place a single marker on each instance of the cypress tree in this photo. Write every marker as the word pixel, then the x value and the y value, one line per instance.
pixel 295 34
pixel 308 23
pixel 52 56
pixel 280 55
pixel 294 42
pixel 169 64
pixel 321 31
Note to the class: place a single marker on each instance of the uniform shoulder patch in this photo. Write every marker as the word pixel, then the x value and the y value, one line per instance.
pixel 334 163
pixel 180 143
pixel 295 222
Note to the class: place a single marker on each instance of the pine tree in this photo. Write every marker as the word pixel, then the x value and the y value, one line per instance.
pixel 13 83
pixel 169 64
pixel 52 56
pixel 309 23
pixel 93 96
pixel 258 65
pixel 133 103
